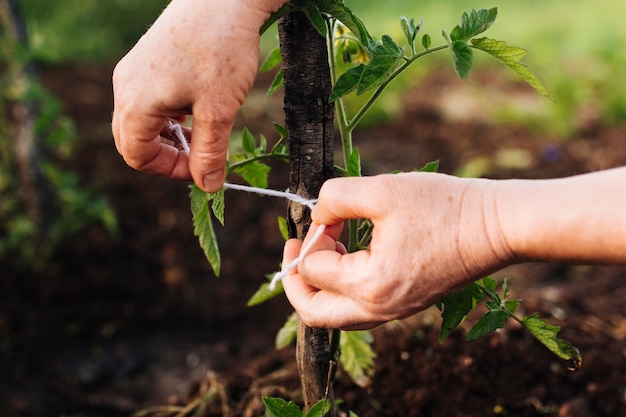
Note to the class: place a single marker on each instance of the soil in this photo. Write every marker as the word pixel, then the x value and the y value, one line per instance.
pixel 120 323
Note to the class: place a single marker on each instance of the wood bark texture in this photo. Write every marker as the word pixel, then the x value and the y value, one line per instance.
pixel 309 119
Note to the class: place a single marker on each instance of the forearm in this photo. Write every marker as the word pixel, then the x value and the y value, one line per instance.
pixel 577 219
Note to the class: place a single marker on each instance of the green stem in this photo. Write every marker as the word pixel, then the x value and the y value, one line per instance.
pixel 345 132
pixel 261 157
pixel 357 118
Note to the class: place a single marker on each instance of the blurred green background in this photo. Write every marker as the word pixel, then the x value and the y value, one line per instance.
pixel 577 47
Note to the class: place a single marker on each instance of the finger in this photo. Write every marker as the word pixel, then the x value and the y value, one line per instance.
pixel 328 238
pixel 337 272
pixel 138 139
pixel 349 198
pixel 325 309
pixel 207 160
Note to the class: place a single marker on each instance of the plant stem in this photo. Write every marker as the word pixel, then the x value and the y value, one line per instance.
pixel 261 157
pixel 357 118
pixel 342 119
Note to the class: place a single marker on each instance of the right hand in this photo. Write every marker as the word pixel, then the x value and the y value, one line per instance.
pixel 430 238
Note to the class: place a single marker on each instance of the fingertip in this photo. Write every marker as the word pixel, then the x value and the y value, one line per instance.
pixel 213 181
pixel 291 250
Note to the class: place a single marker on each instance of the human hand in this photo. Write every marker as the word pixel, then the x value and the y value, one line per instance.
pixel 200 57
pixel 432 235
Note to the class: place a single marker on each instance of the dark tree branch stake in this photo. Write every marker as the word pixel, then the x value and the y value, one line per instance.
pixel 309 119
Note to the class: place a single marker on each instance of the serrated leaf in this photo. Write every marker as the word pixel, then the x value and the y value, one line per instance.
pixel 426 41
pixel 385 58
pixel 511 57
pixel 342 13
pixel 255 173
pixel 264 294
pixel 474 23
pixel 463 58
pixel 277 82
pixel 354 163
pixel 347 82
pixel 281 408
pixel 488 323
pixel 283 227
pixel 272 60
pixel 547 335
pixel 432 166
pixel 455 308
pixel 357 356
pixel 218 205
pixel 203 228
pixel 247 141
pixel 488 283
pixel 319 409
pixel 314 15
pixel 512 305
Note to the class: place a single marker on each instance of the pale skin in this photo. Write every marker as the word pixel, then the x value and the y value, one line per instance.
pixel 433 233
pixel 199 57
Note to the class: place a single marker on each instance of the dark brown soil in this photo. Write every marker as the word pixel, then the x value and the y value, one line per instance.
pixel 116 324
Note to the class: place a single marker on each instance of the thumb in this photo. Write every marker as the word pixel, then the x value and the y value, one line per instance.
pixel 349 198
pixel 209 149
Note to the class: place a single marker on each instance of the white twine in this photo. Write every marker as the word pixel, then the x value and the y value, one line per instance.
pixel 310 203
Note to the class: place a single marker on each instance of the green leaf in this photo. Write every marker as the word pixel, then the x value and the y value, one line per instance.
pixel 272 60
pixel 254 173
pixel 339 11
pixel 455 308
pixel 287 334
pixel 511 57
pixel 547 334
pixel 473 24
pixel 218 205
pixel 357 356
pixel 426 41
pixel 488 323
pixel 512 305
pixel 386 57
pixel 203 228
pixel 320 408
pixel 281 408
pixel 463 58
pixel 314 15
pixel 264 294
pixel 488 283
pixel 281 130
pixel 277 83
pixel 347 82
pixel 283 227
pixel 432 166
pixel 247 141
pixel 283 11
pixel 354 163
pixel 410 30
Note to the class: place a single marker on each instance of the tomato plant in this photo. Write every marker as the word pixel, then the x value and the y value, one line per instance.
pixel 357 63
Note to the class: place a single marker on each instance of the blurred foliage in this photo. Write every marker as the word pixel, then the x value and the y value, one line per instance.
pixel 74 30
pixel 43 204
pixel 577 48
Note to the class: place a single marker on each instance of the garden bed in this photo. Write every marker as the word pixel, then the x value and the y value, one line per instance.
pixel 136 320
